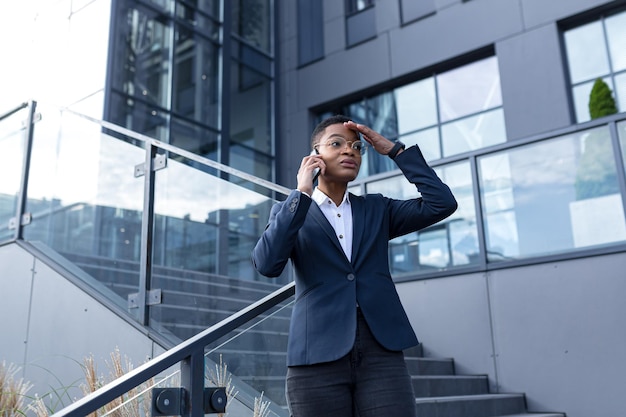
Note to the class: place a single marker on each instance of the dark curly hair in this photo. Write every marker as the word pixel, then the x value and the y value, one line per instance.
pixel 319 129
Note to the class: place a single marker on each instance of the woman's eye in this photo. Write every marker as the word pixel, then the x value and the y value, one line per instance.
pixel 335 144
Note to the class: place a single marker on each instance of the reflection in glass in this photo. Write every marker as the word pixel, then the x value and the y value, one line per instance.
pixel 621 130
pixel 427 140
pixel 85 201
pixel 551 196
pixel 195 92
pixel 205 230
pixel 251 21
pixel 616 34
pixel 586 54
pixel 471 133
pixel 144 45
pixel 12 150
pixel 581 94
pixel 450 243
pixel 620 94
pixel 469 89
pixel 416 105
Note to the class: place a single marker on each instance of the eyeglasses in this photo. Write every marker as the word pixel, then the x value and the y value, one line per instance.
pixel 340 143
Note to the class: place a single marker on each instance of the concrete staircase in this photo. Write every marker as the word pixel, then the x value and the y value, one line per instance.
pixel 440 392
pixel 256 356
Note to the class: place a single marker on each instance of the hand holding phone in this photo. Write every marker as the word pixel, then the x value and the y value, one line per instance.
pixel 316 171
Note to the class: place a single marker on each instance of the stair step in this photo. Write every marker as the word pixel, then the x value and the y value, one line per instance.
pixel 485 405
pixel 429 366
pixel 449 385
pixel 534 415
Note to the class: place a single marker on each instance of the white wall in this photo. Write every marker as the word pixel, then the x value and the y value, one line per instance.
pixel 554 331
pixel 48 326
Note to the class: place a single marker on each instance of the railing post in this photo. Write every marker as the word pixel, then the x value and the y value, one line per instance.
pixel 20 219
pixel 147 231
pixel 192 379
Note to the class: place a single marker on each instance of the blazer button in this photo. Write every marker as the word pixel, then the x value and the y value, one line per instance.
pixel 350 277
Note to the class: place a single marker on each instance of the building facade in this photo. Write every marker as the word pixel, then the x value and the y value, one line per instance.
pixel 523 283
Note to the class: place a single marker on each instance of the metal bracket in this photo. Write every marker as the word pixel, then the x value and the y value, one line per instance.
pixel 26 219
pixel 160 162
pixel 174 401
pixel 153 297
pixel 36 118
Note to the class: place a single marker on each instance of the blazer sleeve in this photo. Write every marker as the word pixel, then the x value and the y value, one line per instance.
pixel 435 204
pixel 274 247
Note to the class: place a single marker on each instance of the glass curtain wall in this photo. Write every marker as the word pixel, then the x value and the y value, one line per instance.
pixel 181 74
pixel 596 51
pixel 446 114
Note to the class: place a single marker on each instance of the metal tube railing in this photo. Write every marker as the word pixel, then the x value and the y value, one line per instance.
pixel 183 353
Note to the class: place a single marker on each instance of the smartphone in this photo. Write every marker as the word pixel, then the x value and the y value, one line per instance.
pixel 316 173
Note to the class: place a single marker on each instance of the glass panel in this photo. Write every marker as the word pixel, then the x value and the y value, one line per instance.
pixel 586 53
pixel 621 130
pixel 469 89
pixel 85 201
pixel 616 34
pixel 195 18
pixel 551 196
pixel 12 150
pixel 428 142
pixel 205 230
pixel 250 118
pixel 581 94
pixel 416 105
pixel 138 116
pixel 452 242
pixel 194 138
pixel 143 45
pixel 196 72
pixel 620 94
pixel 473 133
pixel 256 354
pixel 251 20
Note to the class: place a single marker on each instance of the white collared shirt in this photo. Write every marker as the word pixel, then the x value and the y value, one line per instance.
pixel 339 217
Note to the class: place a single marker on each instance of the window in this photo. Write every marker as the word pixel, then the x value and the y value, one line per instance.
pixel 353 6
pixel 551 197
pixel 596 50
pixel 360 21
pixel 310 33
pixel 447 244
pixel 446 114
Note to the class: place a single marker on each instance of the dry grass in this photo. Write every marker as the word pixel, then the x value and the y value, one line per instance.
pixel 261 408
pixel 12 391
pixel 222 378
pixel 134 403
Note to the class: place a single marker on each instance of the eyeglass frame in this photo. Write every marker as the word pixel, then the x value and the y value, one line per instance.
pixel 352 143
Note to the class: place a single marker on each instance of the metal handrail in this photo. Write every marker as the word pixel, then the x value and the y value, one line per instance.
pixel 184 352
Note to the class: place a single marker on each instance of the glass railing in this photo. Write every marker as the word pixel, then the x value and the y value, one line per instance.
pixel 12 139
pixel 172 242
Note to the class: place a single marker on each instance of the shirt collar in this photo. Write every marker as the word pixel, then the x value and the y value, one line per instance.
pixel 320 197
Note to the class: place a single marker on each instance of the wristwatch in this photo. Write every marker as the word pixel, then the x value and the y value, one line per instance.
pixel 396 148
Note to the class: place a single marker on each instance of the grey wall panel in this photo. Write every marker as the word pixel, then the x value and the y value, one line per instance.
pixel 558 330
pixel 341 74
pixel 387 15
pixel 539 12
pixel 65 326
pixel 453 32
pixel 533 83
pixel 15 287
pixel 451 319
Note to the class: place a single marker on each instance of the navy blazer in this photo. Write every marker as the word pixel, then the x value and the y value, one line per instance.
pixel 328 285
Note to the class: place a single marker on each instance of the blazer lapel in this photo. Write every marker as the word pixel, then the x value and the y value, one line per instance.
pixel 318 216
pixel 358 224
